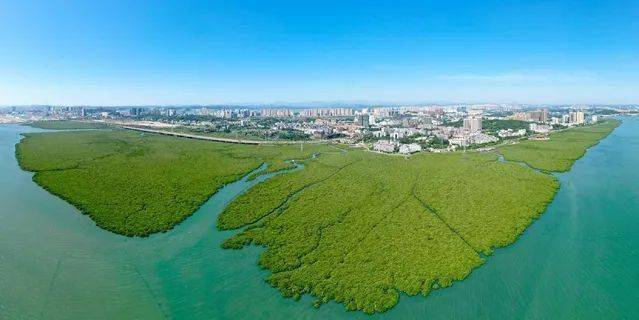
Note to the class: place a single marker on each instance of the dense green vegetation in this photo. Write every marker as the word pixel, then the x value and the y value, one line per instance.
pixel 495 125
pixel 253 129
pixel 561 150
pixel 359 228
pixel 492 126
pixel 456 124
pixel 137 184
pixel 352 226
pixel 66 125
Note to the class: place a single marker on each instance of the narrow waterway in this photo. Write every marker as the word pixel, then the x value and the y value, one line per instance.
pixel 577 261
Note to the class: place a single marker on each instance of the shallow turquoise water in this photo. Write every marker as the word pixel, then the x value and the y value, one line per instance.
pixel 579 260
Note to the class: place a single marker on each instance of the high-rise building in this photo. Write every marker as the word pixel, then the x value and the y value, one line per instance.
pixel 521 116
pixel 276 113
pixel 538 116
pixel 137 111
pixel 473 123
pixel 534 116
pixel 363 120
pixel 577 117
pixel 544 115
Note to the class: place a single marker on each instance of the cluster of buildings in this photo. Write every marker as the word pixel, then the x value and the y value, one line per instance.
pixel 544 116
pixel 577 117
pixel 470 133
pixel 540 128
pixel 327 112
pixel 396 133
pixel 390 146
pixel 474 138
pixel 540 115
pixel 389 129
pixel 473 122
pixel 276 113
pixel 511 133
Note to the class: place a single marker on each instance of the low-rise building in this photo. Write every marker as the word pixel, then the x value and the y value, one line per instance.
pixel 385 146
pixel 379 133
pixel 464 140
pixel 506 133
pixel 409 148
pixel 461 141
pixel 540 128
pixel 481 138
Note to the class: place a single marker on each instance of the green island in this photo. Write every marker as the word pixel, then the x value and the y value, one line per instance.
pixel 352 226
pixel 67 125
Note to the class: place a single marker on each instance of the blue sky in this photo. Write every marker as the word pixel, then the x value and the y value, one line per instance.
pixel 209 52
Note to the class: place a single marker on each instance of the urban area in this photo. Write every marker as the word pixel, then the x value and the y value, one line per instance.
pixel 385 129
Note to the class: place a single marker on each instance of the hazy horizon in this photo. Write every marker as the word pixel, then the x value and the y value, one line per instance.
pixel 321 104
pixel 324 104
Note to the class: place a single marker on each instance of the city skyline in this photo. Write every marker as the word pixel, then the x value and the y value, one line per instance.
pixel 170 53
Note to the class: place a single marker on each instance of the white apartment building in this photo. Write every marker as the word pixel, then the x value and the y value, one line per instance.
pixel 385 146
pixel 409 148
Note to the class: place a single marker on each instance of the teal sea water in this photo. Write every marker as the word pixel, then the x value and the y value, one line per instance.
pixel 579 260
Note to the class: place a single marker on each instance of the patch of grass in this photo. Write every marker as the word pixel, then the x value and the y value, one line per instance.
pixel 561 150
